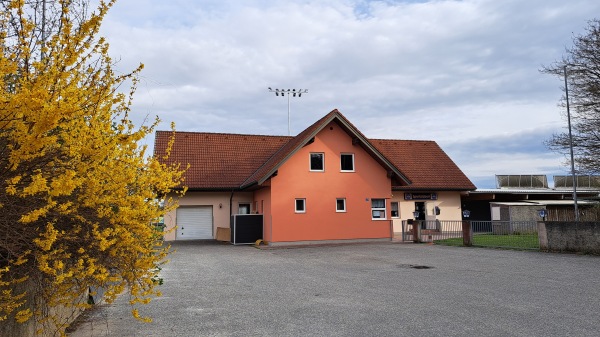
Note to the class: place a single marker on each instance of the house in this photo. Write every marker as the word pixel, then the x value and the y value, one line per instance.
pixel 329 183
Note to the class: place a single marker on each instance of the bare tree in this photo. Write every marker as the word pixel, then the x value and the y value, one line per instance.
pixel 582 64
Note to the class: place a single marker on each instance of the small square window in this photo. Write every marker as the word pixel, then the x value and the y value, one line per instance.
pixel 340 205
pixel 347 162
pixel 317 162
pixel 300 205
pixel 378 211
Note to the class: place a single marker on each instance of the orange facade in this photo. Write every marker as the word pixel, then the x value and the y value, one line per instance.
pixel 337 204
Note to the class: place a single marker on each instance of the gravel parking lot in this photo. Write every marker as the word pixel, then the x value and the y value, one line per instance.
pixel 382 289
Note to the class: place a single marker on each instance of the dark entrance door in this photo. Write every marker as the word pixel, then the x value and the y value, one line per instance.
pixel 420 207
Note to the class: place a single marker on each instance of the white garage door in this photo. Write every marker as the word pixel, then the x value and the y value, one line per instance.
pixel 194 223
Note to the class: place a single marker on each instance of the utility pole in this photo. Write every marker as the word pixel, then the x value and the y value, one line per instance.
pixel 289 92
pixel 571 148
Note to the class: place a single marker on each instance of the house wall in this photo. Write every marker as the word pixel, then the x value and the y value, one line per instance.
pixel 320 189
pixel 220 205
pixel 448 202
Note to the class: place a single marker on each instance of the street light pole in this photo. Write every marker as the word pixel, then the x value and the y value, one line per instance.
pixel 571 147
pixel 289 92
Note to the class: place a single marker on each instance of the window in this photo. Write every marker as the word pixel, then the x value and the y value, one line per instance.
pixel 378 210
pixel 244 209
pixel 340 205
pixel 347 162
pixel 317 162
pixel 300 205
pixel 395 213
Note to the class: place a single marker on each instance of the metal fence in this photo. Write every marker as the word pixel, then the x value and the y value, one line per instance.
pixel 498 234
pixel 505 234
pixel 432 230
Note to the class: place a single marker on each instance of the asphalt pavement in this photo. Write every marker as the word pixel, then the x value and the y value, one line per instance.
pixel 378 289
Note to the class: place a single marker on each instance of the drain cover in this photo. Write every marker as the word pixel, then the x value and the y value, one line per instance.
pixel 414 266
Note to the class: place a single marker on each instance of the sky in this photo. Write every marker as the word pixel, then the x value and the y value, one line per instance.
pixel 462 73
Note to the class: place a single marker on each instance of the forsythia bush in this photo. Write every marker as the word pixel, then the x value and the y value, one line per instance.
pixel 77 193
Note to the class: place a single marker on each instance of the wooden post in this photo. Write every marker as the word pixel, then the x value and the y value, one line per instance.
pixel 416 231
pixel 467 233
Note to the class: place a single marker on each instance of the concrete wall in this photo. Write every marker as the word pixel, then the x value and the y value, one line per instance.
pixel 581 237
pixel 525 213
pixel 62 315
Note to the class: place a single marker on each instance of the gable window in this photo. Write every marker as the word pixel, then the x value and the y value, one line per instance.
pixel 395 213
pixel 347 162
pixel 340 205
pixel 317 162
pixel 378 210
pixel 300 205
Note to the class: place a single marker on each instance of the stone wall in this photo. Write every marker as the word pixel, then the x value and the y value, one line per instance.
pixel 64 315
pixel 583 237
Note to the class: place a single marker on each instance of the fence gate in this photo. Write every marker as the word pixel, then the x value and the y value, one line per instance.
pixel 431 230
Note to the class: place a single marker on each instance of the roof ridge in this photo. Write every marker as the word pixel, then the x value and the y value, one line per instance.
pixel 224 133
pixel 402 140
pixel 299 137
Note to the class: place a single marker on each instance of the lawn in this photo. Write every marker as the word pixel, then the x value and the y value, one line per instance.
pixel 527 241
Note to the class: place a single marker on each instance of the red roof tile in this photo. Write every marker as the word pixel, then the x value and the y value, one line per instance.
pixel 221 161
pixel 426 165
pixel 217 160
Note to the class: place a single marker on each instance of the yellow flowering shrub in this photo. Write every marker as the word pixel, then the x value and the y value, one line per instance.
pixel 77 193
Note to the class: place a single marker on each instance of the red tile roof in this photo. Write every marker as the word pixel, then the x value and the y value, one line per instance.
pixel 305 136
pixel 217 160
pixel 221 161
pixel 426 165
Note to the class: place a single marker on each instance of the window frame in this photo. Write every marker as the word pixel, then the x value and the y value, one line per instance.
pixel 310 161
pixel 337 209
pixel 342 163
pixel 379 209
pixel 397 209
pixel 300 211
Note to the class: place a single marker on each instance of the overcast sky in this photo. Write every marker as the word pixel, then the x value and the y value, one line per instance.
pixel 462 73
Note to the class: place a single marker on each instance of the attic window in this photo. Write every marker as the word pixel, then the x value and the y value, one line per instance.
pixel 317 162
pixel 347 162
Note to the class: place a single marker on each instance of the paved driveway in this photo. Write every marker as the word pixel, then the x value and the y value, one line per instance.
pixel 363 290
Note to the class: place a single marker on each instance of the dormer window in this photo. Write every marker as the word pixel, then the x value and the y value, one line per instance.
pixel 317 162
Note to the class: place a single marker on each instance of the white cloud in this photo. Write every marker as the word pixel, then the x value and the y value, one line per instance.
pixel 443 70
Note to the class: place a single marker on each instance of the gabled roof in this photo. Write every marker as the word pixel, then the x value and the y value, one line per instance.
pixel 425 163
pixel 219 161
pixel 306 136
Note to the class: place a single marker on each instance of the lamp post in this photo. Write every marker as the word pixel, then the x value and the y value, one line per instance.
pixel 467 230
pixel 571 147
pixel 416 228
pixel 289 92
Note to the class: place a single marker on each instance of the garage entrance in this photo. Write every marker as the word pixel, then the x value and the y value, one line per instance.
pixel 194 223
